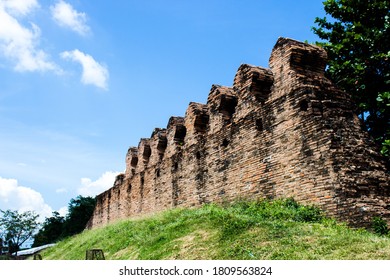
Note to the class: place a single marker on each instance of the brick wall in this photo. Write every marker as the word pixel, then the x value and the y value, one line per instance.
pixel 279 132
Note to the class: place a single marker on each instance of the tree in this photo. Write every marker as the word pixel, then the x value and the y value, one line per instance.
pixel 1 246
pixel 17 227
pixel 55 228
pixel 80 211
pixel 51 230
pixel 357 39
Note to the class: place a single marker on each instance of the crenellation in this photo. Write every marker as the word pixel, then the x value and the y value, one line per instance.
pixel 131 162
pixel 197 117
pixel 286 131
pixel 253 80
pixel 295 64
pixel 144 152
pixel 158 145
pixel 222 102
pixel 175 134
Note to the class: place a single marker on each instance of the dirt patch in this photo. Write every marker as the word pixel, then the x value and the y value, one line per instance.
pixel 195 246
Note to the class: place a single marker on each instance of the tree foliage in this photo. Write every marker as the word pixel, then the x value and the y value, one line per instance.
pixel 80 210
pixel 357 39
pixel 51 230
pixel 16 228
pixel 55 228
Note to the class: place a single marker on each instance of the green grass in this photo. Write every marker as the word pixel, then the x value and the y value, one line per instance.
pixel 277 230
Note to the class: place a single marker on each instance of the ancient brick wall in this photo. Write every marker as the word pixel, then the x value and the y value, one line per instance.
pixel 279 132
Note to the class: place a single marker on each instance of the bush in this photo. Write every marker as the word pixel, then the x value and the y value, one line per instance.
pixel 379 226
pixel 308 214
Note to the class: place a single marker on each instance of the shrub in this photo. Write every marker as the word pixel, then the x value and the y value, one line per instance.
pixel 379 226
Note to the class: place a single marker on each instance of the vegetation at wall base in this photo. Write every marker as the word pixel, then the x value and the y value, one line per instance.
pixel 279 229
pixel 379 226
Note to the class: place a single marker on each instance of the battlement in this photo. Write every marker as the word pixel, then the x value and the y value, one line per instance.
pixel 285 131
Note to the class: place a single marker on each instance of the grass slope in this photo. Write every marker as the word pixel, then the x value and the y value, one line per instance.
pixel 280 229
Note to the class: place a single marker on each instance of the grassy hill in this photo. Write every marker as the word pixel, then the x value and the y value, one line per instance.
pixel 280 229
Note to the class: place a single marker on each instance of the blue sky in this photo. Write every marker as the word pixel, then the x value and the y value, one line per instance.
pixel 81 81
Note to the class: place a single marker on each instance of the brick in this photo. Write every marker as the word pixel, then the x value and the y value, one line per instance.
pixel 286 131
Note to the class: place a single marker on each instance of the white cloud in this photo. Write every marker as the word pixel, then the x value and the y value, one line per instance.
pixel 63 211
pixel 19 7
pixel 61 190
pixel 92 188
pixel 15 197
pixel 18 43
pixel 93 72
pixel 66 16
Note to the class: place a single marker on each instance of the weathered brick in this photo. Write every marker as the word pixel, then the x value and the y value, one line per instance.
pixel 286 131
